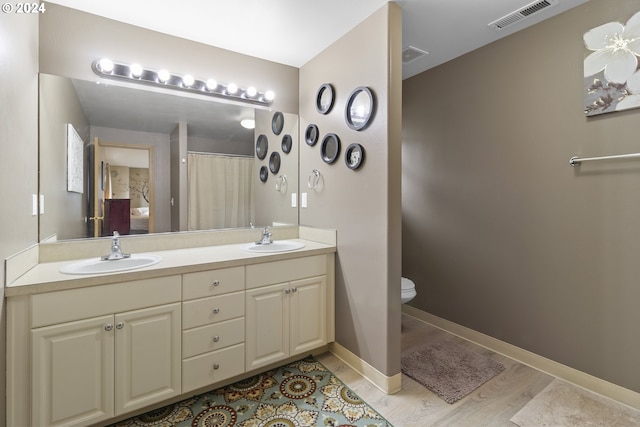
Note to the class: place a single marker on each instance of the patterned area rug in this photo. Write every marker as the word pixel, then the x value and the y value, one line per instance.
pixel 449 370
pixel 301 394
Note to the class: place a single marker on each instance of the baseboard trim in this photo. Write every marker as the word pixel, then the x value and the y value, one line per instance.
pixel 388 385
pixel 548 366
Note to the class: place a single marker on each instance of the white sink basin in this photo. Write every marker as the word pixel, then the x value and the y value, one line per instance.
pixel 98 266
pixel 279 246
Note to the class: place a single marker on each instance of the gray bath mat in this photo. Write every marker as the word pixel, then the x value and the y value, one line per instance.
pixel 563 404
pixel 449 370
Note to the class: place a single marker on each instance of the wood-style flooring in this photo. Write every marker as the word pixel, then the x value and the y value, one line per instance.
pixel 493 404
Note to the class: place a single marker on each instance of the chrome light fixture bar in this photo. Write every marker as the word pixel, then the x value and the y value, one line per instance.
pixel 162 78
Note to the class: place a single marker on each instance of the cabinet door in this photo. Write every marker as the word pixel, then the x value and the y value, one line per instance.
pixel 73 369
pixel 148 353
pixel 267 317
pixel 308 314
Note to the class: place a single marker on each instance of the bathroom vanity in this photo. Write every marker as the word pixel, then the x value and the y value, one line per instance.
pixel 86 349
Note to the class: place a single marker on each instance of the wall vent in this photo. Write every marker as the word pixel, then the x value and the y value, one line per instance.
pixel 411 53
pixel 522 13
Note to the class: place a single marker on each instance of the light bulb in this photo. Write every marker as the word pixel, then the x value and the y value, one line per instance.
pixel 232 88
pixel 269 95
pixel 211 84
pixel 188 80
pixel 106 65
pixel 251 91
pixel 163 76
pixel 136 70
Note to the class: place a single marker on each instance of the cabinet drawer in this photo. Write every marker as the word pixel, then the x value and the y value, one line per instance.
pixel 213 282
pixel 213 367
pixel 75 304
pixel 212 337
pixel 211 310
pixel 269 273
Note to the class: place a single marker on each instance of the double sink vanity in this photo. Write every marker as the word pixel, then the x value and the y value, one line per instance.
pixel 90 341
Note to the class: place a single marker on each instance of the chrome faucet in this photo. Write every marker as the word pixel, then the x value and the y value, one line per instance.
pixel 116 253
pixel 266 237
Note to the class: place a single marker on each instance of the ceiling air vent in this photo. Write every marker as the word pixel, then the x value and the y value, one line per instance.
pixel 519 15
pixel 411 53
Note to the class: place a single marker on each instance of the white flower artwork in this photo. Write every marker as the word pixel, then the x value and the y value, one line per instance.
pixel 611 69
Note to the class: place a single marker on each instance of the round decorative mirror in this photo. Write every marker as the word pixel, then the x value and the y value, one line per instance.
pixel 354 156
pixel 311 135
pixel 287 143
pixel 262 146
pixel 274 162
pixel 330 148
pixel 324 99
pixel 264 174
pixel 277 123
pixel 360 108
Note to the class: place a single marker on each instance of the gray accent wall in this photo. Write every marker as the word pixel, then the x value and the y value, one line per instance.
pixel 363 205
pixel 500 233
pixel 18 150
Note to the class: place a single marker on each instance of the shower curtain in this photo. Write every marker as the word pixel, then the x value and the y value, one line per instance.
pixel 220 191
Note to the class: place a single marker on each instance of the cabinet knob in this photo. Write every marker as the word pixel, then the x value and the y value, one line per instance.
pixel 108 327
pixel 287 291
pixel 216 366
pixel 216 282
pixel 119 325
pixel 294 290
pixel 216 310
pixel 216 338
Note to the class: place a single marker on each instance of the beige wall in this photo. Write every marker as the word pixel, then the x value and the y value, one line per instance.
pixel 18 149
pixel 362 205
pixel 500 234
pixel 64 210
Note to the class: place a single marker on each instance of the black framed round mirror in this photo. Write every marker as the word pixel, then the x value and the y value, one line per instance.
pixel 262 146
pixel 287 143
pixel 274 162
pixel 277 123
pixel 360 108
pixel 311 135
pixel 354 156
pixel 324 99
pixel 264 174
pixel 330 149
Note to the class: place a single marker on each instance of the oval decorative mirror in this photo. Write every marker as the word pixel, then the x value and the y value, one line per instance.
pixel 311 135
pixel 330 149
pixel 274 162
pixel 354 156
pixel 262 146
pixel 264 174
pixel 287 143
pixel 360 108
pixel 324 99
pixel 277 123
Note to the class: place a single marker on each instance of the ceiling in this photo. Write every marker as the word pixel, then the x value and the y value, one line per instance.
pixel 292 32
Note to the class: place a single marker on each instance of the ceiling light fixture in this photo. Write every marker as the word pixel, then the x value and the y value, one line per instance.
pixel 136 73
pixel 248 123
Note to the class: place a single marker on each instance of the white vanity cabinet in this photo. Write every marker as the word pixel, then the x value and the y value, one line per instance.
pixel 89 369
pixel 286 309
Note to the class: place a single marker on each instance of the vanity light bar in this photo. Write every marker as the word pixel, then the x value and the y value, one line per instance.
pixel 162 78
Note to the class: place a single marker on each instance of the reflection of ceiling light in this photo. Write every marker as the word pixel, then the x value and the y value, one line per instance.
pixel 248 123
pixel 187 83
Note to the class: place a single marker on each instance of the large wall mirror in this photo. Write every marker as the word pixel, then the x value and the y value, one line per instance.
pixel 162 162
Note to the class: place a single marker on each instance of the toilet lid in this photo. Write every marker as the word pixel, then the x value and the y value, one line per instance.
pixel 407 284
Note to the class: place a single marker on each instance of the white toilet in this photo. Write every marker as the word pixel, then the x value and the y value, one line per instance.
pixel 408 290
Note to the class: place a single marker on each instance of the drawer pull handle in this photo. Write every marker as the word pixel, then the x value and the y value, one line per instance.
pixel 216 338
pixel 216 282
pixel 216 310
pixel 216 366
pixel 119 325
pixel 108 327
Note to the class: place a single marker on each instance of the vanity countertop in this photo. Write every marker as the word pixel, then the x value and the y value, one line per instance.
pixel 46 277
